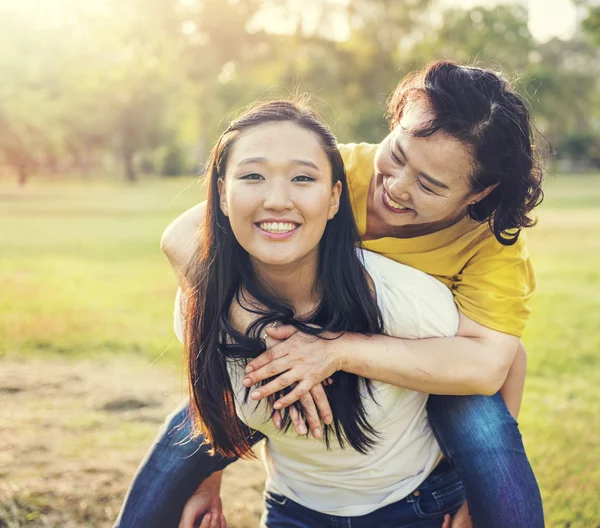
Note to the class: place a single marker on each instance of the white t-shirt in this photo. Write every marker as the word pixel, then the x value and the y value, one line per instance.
pixel 343 481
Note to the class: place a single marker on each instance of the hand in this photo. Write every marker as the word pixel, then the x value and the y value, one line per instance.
pixel 304 359
pixel 461 518
pixel 315 403
pixel 205 504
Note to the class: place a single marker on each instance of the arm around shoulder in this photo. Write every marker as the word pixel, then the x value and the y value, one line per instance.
pixel 179 241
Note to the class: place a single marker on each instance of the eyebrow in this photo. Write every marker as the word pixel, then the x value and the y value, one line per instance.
pixel 431 180
pixel 305 163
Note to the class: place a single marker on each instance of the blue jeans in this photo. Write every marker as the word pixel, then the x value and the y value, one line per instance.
pixel 476 434
pixel 441 493
pixel 482 441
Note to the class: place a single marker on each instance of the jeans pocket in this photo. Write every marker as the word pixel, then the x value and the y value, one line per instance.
pixel 438 501
pixel 275 498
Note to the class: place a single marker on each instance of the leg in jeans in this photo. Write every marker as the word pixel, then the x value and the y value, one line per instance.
pixel 169 474
pixel 482 441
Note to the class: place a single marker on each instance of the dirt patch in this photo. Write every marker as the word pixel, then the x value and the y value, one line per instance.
pixel 73 433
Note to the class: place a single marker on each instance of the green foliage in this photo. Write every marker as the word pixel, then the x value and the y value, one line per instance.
pixel 90 82
pixel 174 162
pixel 591 24
pixel 580 146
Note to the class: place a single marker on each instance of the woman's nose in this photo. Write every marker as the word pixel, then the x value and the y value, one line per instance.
pixel 277 197
pixel 397 187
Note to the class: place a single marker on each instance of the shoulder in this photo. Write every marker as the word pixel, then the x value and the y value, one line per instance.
pixel 413 303
pixel 357 155
pixel 496 284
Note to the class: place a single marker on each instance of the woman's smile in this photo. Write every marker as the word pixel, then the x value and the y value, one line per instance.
pixel 392 204
pixel 277 229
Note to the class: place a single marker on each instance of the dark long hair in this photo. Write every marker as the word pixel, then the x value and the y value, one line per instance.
pixel 222 273
pixel 479 108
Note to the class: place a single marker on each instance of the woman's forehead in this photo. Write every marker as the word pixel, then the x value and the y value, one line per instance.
pixel 441 156
pixel 278 142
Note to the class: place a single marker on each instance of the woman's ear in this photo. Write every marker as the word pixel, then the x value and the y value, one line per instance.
pixel 334 202
pixel 481 195
pixel 222 196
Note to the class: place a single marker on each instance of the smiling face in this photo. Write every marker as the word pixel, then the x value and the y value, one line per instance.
pixel 278 193
pixel 420 184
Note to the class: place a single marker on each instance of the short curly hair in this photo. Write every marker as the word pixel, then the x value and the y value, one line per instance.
pixel 478 108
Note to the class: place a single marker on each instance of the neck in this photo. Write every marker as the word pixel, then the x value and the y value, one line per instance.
pixel 296 283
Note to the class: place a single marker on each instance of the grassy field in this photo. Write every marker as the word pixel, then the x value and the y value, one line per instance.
pixel 89 365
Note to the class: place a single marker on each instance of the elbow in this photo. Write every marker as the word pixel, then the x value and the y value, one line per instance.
pixel 165 241
pixel 492 376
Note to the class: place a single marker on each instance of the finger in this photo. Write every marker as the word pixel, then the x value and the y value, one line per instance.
pixel 327 382
pixel 294 395
pixel 281 332
pixel 268 371
pixel 215 519
pixel 188 518
pixel 279 383
pixel 206 520
pixel 298 422
pixel 271 354
pixel 276 419
pixel 223 521
pixel 446 523
pixel 320 398
pixel 312 416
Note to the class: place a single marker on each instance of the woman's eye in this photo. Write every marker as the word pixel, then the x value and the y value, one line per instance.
pixel 425 188
pixel 303 178
pixel 252 176
pixel 396 158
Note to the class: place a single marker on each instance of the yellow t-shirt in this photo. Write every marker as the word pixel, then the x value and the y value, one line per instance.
pixel 491 283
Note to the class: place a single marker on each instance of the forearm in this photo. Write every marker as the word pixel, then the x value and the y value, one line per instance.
pixel 512 389
pixel 450 365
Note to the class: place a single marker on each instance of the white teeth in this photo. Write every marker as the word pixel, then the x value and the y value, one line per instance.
pixel 277 227
pixel 391 202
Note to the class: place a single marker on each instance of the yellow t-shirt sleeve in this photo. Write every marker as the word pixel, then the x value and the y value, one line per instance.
pixel 496 285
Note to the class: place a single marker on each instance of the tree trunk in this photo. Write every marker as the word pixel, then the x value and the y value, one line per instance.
pixel 130 173
pixel 23 174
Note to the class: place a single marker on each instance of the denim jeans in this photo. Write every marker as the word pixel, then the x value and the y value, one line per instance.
pixel 476 434
pixel 482 441
pixel 441 493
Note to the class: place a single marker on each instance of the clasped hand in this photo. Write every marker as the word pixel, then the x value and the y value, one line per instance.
pixel 300 361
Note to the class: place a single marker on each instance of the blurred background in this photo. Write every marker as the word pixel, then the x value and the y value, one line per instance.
pixel 108 109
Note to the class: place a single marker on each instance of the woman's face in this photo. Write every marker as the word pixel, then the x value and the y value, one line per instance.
pixel 421 182
pixel 278 193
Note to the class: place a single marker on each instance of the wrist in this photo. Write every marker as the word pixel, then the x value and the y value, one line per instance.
pixel 213 482
pixel 343 350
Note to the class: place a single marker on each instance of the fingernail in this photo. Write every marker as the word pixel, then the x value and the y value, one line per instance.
pixel 303 430
pixel 247 382
pixel 255 395
pixel 249 369
pixel 327 420
pixel 317 433
pixel 277 406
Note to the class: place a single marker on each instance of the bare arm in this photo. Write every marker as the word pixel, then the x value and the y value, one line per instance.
pixel 476 361
pixel 179 240
pixel 512 390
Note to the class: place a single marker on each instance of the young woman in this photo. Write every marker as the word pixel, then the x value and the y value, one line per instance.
pixel 279 244
pixel 459 155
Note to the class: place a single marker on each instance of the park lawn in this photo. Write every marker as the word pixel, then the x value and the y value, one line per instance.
pixel 83 279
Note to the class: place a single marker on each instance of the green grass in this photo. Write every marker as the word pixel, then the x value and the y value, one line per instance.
pixel 81 272
pixel 81 275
